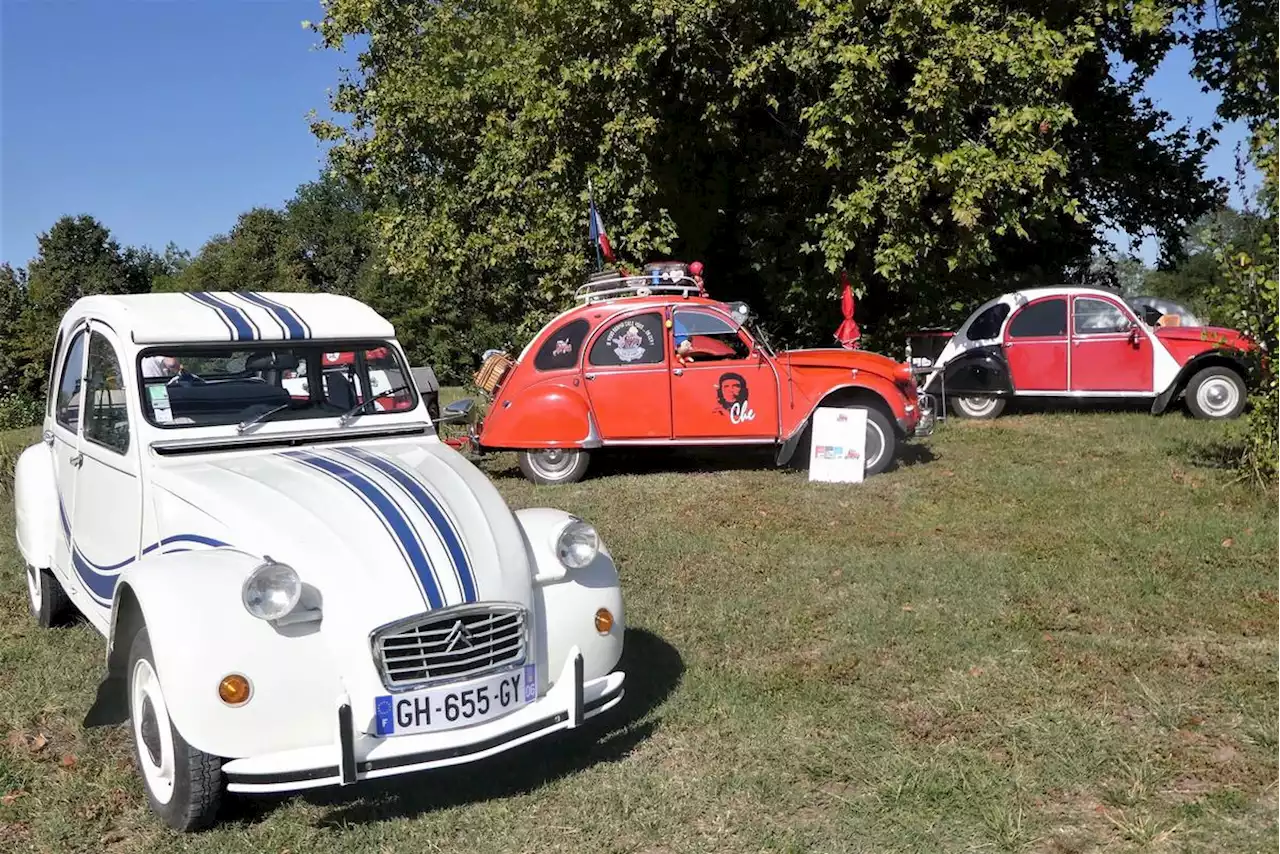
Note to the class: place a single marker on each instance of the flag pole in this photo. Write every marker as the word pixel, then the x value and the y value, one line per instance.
pixel 595 238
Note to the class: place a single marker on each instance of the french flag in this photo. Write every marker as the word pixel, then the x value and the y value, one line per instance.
pixel 598 236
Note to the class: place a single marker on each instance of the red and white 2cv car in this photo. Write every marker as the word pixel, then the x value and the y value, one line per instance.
pixel 652 360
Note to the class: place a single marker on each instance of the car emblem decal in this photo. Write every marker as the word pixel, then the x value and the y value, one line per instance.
pixel 458 638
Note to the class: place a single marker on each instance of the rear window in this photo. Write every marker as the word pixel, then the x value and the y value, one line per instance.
pixel 561 350
pixel 1047 318
pixel 987 325
pixel 634 341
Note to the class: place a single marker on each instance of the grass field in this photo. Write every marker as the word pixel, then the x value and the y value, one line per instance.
pixel 1048 633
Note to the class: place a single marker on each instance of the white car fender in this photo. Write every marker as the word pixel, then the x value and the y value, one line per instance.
pixel 200 632
pixel 573 596
pixel 35 500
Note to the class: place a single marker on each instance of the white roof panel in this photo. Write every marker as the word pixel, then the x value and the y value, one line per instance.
pixel 182 318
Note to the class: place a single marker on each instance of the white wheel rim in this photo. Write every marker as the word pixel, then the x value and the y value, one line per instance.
pixel 977 405
pixel 34 589
pixel 553 463
pixel 874 428
pixel 152 731
pixel 1217 396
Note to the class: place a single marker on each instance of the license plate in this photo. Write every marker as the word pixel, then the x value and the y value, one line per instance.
pixel 452 706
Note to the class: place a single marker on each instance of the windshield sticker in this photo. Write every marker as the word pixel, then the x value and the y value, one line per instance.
pixel 731 391
pixel 628 340
pixel 563 347
pixel 159 395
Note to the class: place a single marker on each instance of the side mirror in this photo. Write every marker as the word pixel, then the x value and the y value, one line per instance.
pixel 456 411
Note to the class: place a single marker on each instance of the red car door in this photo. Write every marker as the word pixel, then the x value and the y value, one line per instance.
pixel 627 379
pixel 1110 352
pixel 720 389
pixel 1035 345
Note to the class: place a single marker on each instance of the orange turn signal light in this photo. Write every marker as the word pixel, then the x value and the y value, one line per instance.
pixel 604 621
pixel 234 690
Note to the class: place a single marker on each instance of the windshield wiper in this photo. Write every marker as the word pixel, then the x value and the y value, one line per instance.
pixel 345 417
pixel 260 417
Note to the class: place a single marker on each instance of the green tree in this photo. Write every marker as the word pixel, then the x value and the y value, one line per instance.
pixel 937 149
pixel 13 300
pixel 76 257
pixel 260 253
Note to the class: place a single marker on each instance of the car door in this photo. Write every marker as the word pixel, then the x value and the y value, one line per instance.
pixel 1035 346
pixel 720 387
pixel 627 381
pixel 62 434
pixel 1110 352
pixel 107 520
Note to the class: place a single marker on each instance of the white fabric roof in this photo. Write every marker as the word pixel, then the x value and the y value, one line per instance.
pixel 181 318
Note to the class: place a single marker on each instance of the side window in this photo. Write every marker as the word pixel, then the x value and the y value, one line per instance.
pixel 703 337
pixel 634 341
pixel 1096 317
pixel 106 422
pixel 561 349
pixel 987 325
pixel 1045 318
pixel 69 385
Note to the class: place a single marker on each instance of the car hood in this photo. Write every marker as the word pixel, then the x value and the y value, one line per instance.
pixel 383 530
pixel 1217 335
pixel 835 357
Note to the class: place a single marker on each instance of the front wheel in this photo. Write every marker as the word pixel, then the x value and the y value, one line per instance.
pixel 978 407
pixel 184 785
pixel 554 465
pixel 46 599
pixel 880 449
pixel 1216 393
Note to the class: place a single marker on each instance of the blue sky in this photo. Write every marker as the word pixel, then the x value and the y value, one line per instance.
pixel 165 119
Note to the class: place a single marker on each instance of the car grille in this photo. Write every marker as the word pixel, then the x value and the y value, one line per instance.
pixel 459 644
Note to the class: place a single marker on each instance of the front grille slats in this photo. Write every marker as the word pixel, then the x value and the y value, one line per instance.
pixel 449 646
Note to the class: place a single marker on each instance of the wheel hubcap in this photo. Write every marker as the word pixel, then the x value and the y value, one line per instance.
pixel 977 405
pixel 152 731
pixel 1217 396
pixel 553 461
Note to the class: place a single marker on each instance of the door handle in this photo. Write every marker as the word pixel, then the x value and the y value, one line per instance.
pixel 590 376
pixel 77 460
pixel 679 372
pixel 47 436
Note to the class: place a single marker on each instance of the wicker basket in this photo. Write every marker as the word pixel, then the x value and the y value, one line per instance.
pixel 492 371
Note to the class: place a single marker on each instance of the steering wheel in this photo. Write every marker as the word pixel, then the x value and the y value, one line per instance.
pixel 187 378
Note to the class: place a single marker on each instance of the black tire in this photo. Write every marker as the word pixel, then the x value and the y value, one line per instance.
pixel 554 465
pixel 1216 393
pixel 978 408
pixel 46 600
pixel 194 794
pixel 881 436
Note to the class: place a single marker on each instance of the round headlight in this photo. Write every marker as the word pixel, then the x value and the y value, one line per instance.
pixel 577 545
pixel 271 591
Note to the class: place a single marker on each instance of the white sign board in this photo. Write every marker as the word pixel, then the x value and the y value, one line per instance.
pixel 838 448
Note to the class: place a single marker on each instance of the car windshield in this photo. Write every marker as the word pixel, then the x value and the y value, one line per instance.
pixel 206 386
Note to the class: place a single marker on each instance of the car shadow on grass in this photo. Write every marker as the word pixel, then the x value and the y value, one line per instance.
pixel 653 670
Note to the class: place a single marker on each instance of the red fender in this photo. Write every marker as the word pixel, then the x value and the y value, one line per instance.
pixel 547 415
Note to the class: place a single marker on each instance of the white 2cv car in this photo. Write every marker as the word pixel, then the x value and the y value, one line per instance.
pixel 300 584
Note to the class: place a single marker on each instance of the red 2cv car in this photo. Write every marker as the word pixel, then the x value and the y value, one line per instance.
pixel 652 360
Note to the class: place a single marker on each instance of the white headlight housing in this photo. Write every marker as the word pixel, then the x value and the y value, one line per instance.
pixel 577 545
pixel 271 591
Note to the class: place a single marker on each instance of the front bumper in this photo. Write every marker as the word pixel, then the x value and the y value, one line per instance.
pixel 354 756
pixel 924 420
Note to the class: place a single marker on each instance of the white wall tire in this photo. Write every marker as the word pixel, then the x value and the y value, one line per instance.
pixel 1216 393
pixel 46 599
pixel 554 465
pixel 183 785
pixel 978 408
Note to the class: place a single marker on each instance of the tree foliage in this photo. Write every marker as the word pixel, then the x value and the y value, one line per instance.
pixel 938 149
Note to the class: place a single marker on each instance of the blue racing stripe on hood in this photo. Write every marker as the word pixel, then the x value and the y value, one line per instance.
pixel 242 328
pixel 290 321
pixel 384 507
